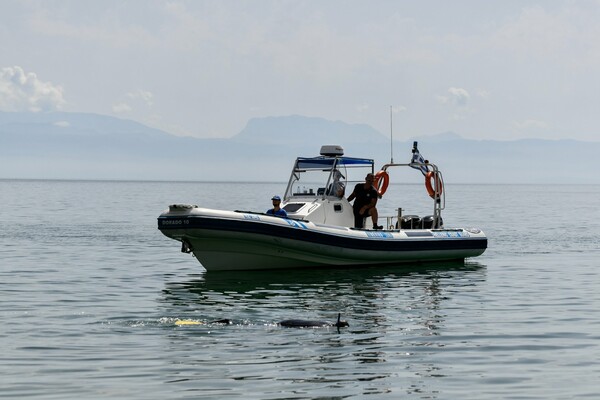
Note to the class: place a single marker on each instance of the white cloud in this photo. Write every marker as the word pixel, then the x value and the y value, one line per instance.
pixel 135 100
pixel 144 95
pixel 456 96
pixel 21 91
pixel 459 96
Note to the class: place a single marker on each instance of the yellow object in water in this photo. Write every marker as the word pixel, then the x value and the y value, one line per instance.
pixel 187 322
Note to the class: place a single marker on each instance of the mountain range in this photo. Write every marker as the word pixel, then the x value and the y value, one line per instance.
pixel 89 146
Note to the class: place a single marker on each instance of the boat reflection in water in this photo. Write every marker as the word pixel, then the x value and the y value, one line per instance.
pixel 357 294
pixel 397 317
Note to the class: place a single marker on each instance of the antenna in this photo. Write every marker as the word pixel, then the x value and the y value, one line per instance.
pixel 391 138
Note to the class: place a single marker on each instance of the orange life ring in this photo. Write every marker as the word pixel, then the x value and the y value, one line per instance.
pixel 433 176
pixel 382 181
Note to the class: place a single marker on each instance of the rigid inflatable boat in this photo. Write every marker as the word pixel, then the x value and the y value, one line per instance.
pixel 318 230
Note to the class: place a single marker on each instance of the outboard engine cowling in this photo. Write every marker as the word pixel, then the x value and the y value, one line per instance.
pixel 410 222
pixel 428 222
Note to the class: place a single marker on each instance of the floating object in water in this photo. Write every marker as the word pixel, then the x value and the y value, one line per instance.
pixel 222 321
pixel 288 323
pixel 302 323
pixel 187 322
pixel 180 322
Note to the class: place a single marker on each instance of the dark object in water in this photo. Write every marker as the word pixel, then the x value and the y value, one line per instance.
pixel 302 323
pixel 222 321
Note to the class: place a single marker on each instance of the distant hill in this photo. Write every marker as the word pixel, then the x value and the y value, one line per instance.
pixel 297 130
pixel 90 146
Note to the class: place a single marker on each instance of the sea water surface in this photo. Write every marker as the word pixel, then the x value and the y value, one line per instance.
pixel 90 293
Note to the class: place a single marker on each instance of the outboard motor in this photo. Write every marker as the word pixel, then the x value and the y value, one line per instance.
pixel 410 222
pixel 428 222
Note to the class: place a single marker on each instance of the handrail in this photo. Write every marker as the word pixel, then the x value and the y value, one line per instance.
pixel 439 197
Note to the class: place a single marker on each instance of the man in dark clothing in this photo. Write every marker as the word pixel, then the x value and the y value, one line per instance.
pixel 365 198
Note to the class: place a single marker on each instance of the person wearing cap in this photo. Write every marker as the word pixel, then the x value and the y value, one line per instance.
pixel 277 210
pixel 365 198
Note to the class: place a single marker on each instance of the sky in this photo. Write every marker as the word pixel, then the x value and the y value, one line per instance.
pixel 498 70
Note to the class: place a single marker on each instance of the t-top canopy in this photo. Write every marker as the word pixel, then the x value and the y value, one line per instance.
pixel 327 162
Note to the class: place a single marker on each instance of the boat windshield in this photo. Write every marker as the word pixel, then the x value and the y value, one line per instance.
pixel 326 176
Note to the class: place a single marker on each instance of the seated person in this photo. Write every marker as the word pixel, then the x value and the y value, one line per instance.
pixel 277 210
pixel 366 199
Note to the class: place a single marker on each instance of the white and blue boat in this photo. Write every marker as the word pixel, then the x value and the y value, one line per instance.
pixel 318 230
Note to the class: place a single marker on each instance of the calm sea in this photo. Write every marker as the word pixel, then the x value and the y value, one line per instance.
pixel 90 291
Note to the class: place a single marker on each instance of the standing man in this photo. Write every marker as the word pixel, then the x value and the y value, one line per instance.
pixel 277 210
pixel 366 200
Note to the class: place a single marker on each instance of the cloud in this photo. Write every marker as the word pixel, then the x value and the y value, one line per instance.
pixel 459 96
pixel 21 91
pixel 135 100
pixel 143 95
pixel 456 96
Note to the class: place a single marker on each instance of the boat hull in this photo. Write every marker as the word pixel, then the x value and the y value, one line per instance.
pixel 227 240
